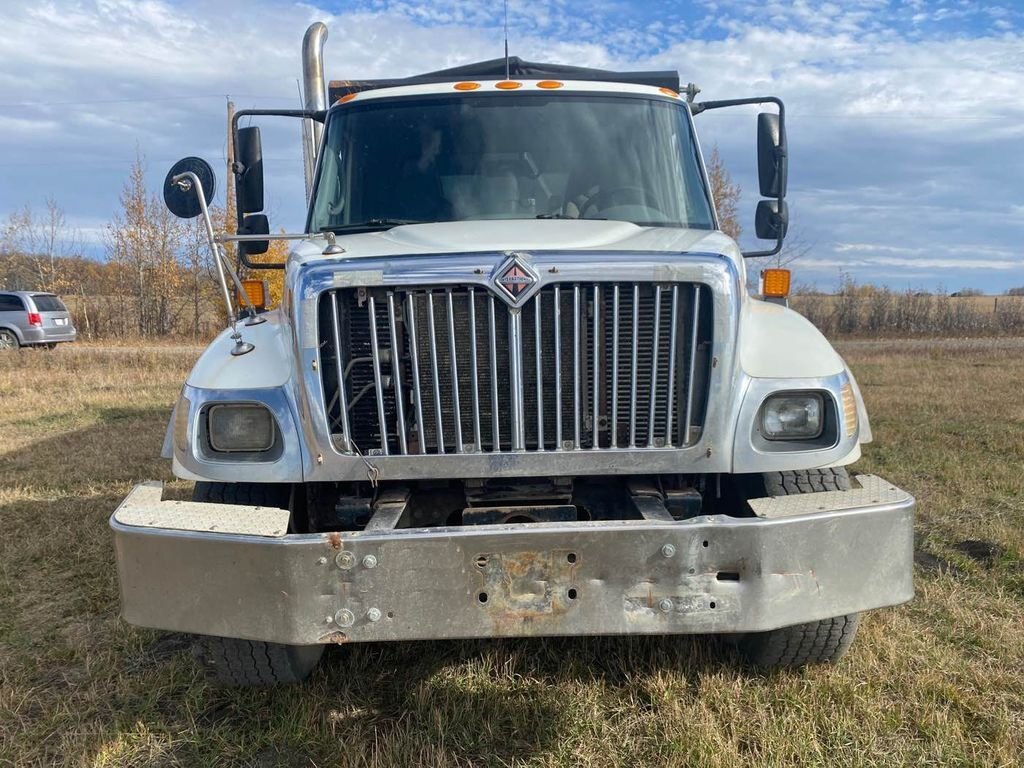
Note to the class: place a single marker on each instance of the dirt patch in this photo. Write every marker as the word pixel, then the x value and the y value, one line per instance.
pixel 984 552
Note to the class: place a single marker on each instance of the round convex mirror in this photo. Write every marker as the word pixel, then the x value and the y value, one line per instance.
pixel 180 196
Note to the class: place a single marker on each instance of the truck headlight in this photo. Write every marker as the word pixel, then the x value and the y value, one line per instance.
pixel 793 416
pixel 241 427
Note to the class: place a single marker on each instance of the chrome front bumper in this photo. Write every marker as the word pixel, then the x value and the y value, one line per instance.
pixel 234 571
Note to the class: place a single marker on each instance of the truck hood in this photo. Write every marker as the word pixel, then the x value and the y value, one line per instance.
pixel 520 234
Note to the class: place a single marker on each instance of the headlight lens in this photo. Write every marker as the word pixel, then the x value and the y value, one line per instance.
pixel 792 416
pixel 241 427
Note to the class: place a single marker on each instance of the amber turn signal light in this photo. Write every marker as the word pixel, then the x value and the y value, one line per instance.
pixel 257 292
pixel 775 283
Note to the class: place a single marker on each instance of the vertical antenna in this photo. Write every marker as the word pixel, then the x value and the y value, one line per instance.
pixel 506 39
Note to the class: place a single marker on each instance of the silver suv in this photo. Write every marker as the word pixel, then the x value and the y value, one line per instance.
pixel 28 318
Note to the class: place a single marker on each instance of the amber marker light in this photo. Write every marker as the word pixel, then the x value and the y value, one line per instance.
pixel 775 283
pixel 257 292
pixel 849 410
pixel 669 92
pixel 466 86
pixel 348 97
pixel 508 85
pixel 549 84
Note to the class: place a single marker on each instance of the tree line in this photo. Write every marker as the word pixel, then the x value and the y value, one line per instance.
pixel 156 279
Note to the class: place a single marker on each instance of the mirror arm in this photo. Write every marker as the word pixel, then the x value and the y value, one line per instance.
pixel 187 181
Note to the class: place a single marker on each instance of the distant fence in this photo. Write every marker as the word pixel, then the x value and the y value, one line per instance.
pixel 883 312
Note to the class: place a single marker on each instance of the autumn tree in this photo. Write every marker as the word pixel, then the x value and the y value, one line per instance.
pixel 726 195
pixel 40 240
pixel 143 239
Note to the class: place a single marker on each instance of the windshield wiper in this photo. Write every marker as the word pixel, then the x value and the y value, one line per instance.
pixel 371 224
pixel 563 216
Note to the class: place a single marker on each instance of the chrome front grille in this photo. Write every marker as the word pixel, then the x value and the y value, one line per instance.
pixel 579 366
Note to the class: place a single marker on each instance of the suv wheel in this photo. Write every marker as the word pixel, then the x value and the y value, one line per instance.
pixel 8 341
pixel 816 642
pixel 245 663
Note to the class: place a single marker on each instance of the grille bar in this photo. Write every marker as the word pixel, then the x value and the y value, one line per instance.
pixel 396 371
pixel 612 365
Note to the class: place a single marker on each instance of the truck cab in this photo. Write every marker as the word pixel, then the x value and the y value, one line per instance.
pixel 516 387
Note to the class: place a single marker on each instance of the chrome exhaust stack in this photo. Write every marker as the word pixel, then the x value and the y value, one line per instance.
pixel 314 95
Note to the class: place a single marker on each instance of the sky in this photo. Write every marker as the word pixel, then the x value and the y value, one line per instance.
pixel 905 117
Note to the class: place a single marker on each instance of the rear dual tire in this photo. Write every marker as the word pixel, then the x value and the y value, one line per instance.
pixel 234 662
pixel 816 642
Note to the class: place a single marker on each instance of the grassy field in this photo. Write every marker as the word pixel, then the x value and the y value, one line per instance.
pixel 939 681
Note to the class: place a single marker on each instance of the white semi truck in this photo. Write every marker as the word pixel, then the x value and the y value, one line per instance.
pixel 516 387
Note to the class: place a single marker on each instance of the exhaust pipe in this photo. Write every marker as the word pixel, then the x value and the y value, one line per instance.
pixel 315 96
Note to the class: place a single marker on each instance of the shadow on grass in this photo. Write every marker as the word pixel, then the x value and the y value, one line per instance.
pixel 120 445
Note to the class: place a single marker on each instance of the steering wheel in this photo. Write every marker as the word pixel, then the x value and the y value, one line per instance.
pixel 604 197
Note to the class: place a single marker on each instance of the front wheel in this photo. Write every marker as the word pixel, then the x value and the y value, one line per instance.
pixel 8 341
pixel 238 663
pixel 816 642
pixel 246 663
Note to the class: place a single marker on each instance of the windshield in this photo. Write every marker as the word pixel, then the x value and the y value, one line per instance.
pixel 505 156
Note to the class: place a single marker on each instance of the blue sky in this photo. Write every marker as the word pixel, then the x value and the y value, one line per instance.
pixel 906 118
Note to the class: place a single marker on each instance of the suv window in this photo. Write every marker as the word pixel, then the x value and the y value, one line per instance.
pixel 46 303
pixel 10 303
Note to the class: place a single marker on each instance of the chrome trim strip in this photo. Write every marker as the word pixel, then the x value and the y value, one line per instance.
pixel 515 360
pixel 415 356
pixel 434 377
pixel 654 367
pixel 475 384
pixel 577 364
pixel 377 383
pixel 396 372
pixel 558 368
pixel 615 367
pixel 670 392
pixel 596 414
pixel 693 364
pixel 457 409
pixel 632 373
pixel 493 354
pixel 538 335
pixel 342 393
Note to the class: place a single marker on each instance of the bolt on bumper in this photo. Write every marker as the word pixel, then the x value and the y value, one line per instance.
pixel 233 571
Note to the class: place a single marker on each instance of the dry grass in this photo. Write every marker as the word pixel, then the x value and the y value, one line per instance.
pixel 937 682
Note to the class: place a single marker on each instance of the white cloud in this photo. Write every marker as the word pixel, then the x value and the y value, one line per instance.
pixel 905 126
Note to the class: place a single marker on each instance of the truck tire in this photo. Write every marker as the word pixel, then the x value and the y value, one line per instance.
pixel 230 661
pixel 238 663
pixel 817 642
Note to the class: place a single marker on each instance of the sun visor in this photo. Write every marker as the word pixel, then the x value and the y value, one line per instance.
pixel 517 68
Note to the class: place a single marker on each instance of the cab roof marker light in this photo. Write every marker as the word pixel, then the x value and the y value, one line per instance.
pixel 347 97
pixel 549 84
pixel 466 86
pixel 669 92
pixel 508 85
